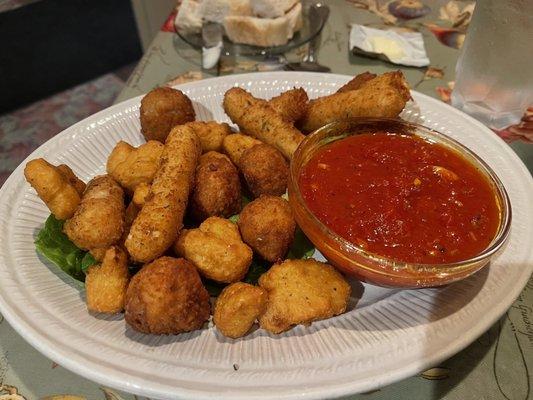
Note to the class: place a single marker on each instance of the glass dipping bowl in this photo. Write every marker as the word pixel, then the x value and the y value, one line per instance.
pixel 371 267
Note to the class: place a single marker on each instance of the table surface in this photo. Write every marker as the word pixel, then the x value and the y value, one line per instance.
pixel 498 365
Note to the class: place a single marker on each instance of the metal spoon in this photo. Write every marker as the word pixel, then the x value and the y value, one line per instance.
pixel 309 63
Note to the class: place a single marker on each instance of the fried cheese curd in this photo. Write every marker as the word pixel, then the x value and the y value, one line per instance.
pixel 268 226
pixel 300 292
pixel 216 249
pixel 217 187
pixel 163 108
pixel 54 188
pixel 236 144
pixel 106 283
pixel 99 220
pixel 211 134
pixel 265 170
pixel 131 166
pixel 167 297
pixel 237 308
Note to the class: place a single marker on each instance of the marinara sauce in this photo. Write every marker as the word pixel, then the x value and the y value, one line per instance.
pixel 401 197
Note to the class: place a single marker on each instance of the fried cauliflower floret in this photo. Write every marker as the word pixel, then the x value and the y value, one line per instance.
pixel 167 297
pixel 235 145
pixel 71 177
pixel 216 249
pixel 162 109
pixel 106 283
pixel 265 170
pixel 267 226
pixel 237 308
pixel 99 220
pixel 140 195
pixel 211 134
pixel 300 292
pixel 131 166
pixel 217 188
pixel 52 187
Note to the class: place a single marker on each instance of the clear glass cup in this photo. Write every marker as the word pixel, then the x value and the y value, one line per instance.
pixel 494 72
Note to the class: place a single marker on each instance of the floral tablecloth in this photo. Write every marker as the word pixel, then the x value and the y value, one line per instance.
pixel 498 365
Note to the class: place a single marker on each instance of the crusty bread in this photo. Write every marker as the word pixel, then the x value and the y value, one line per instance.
pixel 217 10
pixel 189 17
pixel 271 8
pixel 258 31
pixel 295 19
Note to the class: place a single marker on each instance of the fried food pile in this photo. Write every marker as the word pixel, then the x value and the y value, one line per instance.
pixel 199 203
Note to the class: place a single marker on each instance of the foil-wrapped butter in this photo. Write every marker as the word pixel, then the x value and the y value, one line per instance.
pixel 405 48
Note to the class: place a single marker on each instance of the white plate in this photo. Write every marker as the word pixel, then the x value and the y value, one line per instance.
pixel 389 335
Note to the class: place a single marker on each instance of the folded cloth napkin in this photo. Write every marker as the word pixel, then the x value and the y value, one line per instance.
pixel 405 48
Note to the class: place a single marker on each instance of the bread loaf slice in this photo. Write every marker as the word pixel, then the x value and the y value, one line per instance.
pixel 264 32
pixel 189 17
pixel 295 19
pixel 271 8
pixel 217 10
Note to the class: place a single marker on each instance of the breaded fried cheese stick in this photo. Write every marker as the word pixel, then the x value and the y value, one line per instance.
pixel 257 118
pixel 53 187
pixel 158 223
pixel 236 144
pixel 99 220
pixel 291 105
pixel 383 96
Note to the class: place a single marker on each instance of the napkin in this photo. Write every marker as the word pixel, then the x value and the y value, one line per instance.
pixel 405 48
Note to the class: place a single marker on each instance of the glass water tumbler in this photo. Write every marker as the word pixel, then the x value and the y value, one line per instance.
pixel 494 72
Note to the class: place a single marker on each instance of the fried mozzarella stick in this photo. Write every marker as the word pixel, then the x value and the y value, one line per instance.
pixel 53 187
pixel 383 96
pixel 236 144
pixel 257 118
pixel 291 105
pixel 356 82
pixel 158 223
pixel 99 220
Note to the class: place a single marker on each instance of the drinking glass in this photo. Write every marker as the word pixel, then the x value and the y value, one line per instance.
pixel 494 72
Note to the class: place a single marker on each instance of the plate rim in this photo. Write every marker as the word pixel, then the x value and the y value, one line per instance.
pixel 120 379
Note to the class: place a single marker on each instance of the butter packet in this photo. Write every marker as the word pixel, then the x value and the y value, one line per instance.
pixel 404 48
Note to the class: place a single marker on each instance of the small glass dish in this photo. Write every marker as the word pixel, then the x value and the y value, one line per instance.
pixel 371 267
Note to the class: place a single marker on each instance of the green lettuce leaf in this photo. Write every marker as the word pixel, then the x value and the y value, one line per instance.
pixel 56 247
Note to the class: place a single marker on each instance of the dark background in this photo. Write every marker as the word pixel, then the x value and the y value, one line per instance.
pixel 51 45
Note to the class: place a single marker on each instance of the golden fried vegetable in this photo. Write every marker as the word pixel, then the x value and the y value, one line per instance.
pixel 71 177
pixel 267 226
pixel 131 166
pixel 235 145
pixel 383 96
pixel 237 308
pixel 217 188
pixel 158 223
pixel 99 220
pixel 216 249
pixel 357 82
pixel 59 195
pixel 141 193
pixel 291 105
pixel 211 134
pixel 167 297
pixel 106 283
pixel 257 118
pixel 265 170
pixel 300 292
pixel 161 110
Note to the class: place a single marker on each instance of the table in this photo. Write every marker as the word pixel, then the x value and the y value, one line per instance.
pixel 498 365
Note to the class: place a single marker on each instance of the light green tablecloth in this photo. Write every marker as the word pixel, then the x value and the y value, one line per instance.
pixel 498 365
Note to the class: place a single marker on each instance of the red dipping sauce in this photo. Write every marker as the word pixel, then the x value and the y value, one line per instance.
pixel 401 197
